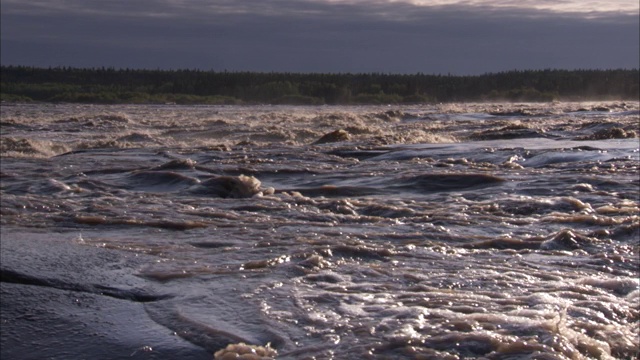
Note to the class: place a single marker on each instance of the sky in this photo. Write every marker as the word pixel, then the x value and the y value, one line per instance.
pixel 459 37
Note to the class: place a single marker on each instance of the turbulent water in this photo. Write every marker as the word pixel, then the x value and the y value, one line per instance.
pixel 495 231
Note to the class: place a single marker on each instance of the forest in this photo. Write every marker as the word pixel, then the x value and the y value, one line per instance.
pixel 136 86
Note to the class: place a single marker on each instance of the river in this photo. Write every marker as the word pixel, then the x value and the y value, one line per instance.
pixel 449 231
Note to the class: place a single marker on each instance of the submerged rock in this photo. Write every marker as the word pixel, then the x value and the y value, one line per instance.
pixel 567 240
pixel 612 133
pixel 518 112
pixel 334 136
pixel 136 137
pixel 233 187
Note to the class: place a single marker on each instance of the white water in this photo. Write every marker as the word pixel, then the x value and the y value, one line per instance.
pixel 449 231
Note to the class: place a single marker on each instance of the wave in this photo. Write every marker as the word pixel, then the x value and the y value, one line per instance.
pixel 448 182
pixel 231 187
pixel 137 295
pixel 160 181
pixel 31 148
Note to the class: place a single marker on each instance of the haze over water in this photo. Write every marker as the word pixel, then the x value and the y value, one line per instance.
pixel 445 231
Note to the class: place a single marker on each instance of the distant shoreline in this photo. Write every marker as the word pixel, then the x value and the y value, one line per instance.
pixel 195 87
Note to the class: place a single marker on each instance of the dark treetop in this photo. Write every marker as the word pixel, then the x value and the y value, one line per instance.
pixel 109 85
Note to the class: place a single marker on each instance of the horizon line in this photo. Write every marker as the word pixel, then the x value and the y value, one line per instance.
pixel 420 73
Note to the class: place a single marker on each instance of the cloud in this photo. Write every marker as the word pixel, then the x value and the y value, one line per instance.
pixel 556 6
pixel 337 36
pixel 180 8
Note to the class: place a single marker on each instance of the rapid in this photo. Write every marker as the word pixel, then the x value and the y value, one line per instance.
pixel 448 231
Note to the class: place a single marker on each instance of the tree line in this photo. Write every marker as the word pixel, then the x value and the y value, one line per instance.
pixel 136 86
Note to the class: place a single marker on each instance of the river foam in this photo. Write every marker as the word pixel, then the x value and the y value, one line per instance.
pixel 444 231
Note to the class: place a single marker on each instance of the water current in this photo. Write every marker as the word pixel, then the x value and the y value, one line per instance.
pixel 494 231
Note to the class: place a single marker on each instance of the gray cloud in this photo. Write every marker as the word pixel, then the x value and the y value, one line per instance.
pixel 287 35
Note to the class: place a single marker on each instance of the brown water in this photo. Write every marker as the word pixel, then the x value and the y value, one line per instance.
pixel 496 231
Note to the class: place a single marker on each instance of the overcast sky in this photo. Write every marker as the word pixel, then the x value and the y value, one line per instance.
pixel 401 36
